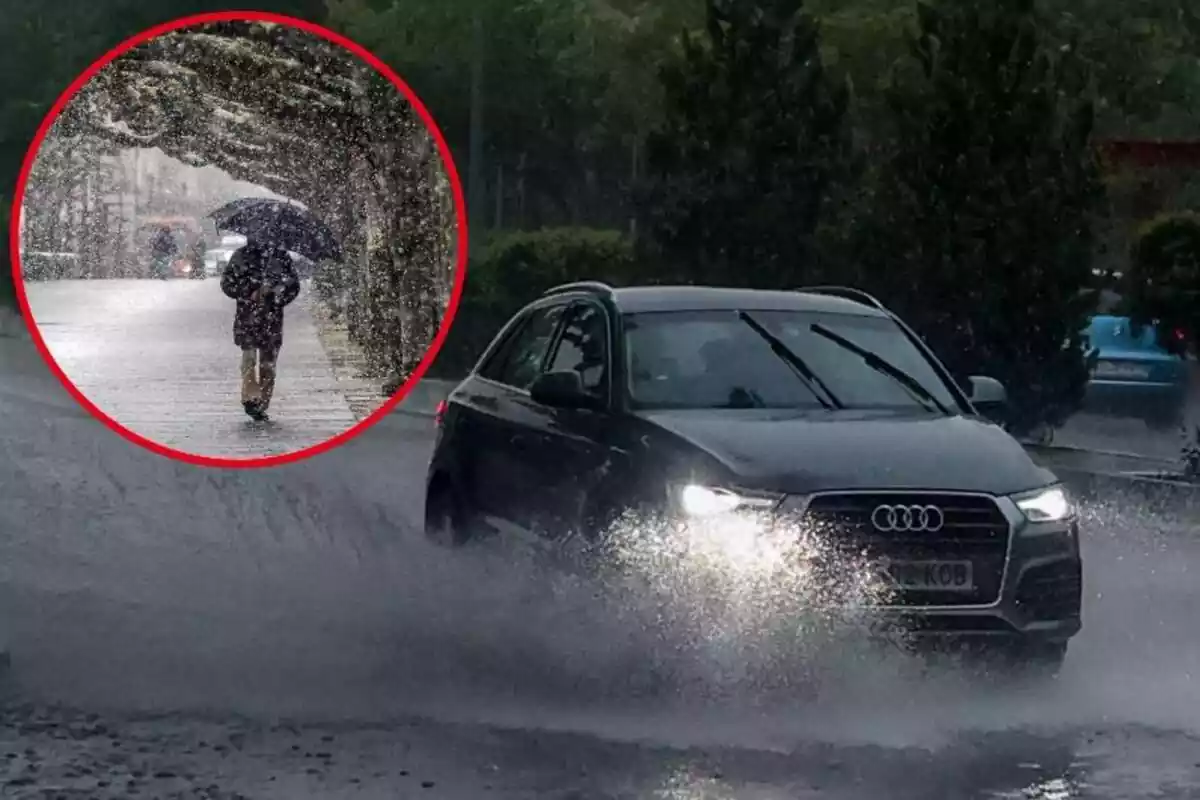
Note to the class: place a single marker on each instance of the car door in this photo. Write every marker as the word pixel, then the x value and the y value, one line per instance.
pixel 499 425
pixel 572 453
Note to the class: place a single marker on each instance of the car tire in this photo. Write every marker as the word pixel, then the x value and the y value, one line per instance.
pixel 447 520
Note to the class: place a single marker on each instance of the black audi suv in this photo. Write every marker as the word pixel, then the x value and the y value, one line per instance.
pixel 816 409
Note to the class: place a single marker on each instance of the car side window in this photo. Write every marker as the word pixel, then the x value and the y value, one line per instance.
pixel 520 360
pixel 492 367
pixel 583 347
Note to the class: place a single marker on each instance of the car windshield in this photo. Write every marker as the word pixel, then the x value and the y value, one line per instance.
pixel 712 359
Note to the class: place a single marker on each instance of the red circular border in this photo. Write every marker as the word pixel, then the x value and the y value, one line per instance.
pixel 459 210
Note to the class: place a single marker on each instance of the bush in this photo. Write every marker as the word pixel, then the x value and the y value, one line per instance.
pixel 513 269
pixel 1162 283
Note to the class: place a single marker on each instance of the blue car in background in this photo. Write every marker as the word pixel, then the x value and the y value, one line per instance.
pixel 1134 376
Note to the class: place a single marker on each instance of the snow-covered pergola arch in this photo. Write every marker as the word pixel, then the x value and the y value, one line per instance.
pixel 270 104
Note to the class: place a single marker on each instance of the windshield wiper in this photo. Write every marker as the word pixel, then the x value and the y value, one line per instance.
pixel 809 378
pixel 879 364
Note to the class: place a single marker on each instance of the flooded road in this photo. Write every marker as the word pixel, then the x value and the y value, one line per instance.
pixel 187 632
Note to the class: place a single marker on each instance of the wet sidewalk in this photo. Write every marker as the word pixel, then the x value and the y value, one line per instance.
pixel 158 357
pixel 363 392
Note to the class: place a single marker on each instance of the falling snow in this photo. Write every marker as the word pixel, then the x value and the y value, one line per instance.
pixel 252 110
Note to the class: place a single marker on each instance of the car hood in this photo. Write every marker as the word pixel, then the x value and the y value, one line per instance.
pixel 799 452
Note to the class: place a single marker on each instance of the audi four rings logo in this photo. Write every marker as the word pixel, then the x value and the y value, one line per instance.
pixel 908 518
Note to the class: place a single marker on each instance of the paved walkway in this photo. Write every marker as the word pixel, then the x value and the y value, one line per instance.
pixel 158 357
pixel 363 391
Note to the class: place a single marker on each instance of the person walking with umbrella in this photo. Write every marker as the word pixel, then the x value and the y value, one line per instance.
pixel 261 278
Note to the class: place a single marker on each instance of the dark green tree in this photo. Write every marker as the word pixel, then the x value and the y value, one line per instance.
pixel 553 96
pixel 1162 282
pixel 982 226
pixel 752 145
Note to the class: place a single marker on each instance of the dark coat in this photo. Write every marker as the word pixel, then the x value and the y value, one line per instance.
pixel 163 244
pixel 259 323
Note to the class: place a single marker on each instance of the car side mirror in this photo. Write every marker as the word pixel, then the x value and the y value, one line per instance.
pixel 561 389
pixel 987 394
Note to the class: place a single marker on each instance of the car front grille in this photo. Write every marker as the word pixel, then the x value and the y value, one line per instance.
pixel 974 529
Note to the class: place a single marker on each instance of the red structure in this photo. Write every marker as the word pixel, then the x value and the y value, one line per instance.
pixel 1151 153
pixel 1144 178
pixel 1147 175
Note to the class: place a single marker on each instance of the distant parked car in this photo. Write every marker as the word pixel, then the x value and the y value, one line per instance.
pixel 217 257
pixel 1134 375
pixel 215 261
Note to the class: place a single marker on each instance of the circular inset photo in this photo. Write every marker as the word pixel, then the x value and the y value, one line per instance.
pixel 240 239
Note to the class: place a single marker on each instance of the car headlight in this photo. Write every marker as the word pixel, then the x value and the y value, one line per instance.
pixel 1051 504
pixel 695 500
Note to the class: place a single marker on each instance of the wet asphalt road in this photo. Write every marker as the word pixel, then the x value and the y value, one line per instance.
pixel 187 632
pixel 158 357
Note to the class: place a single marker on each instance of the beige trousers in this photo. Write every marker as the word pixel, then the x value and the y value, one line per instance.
pixel 258 376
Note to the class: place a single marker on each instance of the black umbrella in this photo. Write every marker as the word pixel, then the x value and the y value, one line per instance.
pixel 278 222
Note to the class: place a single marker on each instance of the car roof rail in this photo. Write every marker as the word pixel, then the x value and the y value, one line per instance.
pixel 594 287
pixel 846 293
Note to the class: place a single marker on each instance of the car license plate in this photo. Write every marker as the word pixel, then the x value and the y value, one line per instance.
pixel 932 576
pixel 1110 369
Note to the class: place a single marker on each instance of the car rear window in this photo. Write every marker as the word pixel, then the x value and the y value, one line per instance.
pixel 1120 333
